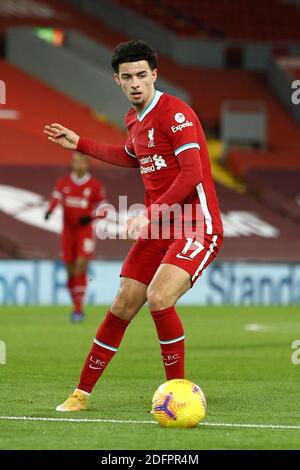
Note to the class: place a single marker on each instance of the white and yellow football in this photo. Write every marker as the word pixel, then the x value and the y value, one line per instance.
pixel 179 403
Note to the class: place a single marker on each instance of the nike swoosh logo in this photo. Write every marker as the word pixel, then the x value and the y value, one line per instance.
pixel 183 257
pixel 170 363
pixel 97 368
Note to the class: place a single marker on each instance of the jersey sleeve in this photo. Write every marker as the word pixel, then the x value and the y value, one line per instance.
pixel 129 147
pixel 57 191
pixel 180 125
pixel 109 153
pixel 189 176
pixel 56 196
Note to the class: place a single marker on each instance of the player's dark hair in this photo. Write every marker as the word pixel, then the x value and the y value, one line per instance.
pixel 132 51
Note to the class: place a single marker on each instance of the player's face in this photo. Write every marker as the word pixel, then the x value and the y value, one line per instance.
pixel 137 82
pixel 80 164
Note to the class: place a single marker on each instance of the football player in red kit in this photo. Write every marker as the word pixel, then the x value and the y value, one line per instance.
pixel 79 194
pixel 166 142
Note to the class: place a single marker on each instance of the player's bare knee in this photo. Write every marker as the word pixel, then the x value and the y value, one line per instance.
pixel 71 273
pixel 122 306
pixel 157 299
pixel 80 266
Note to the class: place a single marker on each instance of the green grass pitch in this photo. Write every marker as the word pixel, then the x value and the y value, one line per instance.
pixel 247 376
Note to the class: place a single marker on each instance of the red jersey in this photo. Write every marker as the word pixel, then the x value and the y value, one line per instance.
pixel 78 197
pixel 165 129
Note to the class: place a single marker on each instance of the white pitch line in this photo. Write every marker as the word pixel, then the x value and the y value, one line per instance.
pixel 118 421
pixel 256 327
pixel 256 426
pixel 74 420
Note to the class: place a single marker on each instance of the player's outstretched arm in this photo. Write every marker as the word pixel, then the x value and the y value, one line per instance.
pixel 62 136
pixel 113 154
pixel 109 153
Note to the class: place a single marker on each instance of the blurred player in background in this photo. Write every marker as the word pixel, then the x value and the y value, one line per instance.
pixel 166 142
pixel 79 194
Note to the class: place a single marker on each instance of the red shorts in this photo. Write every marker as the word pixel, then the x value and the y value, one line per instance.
pixel 77 242
pixel 193 256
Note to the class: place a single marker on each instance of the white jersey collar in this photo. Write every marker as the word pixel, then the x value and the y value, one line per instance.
pixel 80 181
pixel 151 105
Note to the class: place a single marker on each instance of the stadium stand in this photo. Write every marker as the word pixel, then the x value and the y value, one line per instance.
pixel 263 20
pixel 24 148
pixel 278 188
pixel 253 231
pixel 52 12
pixel 35 104
pixel 270 21
pixel 208 89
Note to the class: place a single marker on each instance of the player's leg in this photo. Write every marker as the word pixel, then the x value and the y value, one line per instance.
pixel 70 268
pixel 168 285
pixel 85 244
pixel 182 265
pixel 138 269
pixel 130 298
pixel 79 287
pixel 68 256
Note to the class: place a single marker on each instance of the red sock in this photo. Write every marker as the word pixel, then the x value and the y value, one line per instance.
pixel 70 285
pixel 171 337
pixel 78 291
pixel 106 344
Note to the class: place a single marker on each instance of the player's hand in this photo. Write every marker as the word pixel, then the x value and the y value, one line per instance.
pixel 47 215
pixel 136 226
pixel 85 219
pixel 62 136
